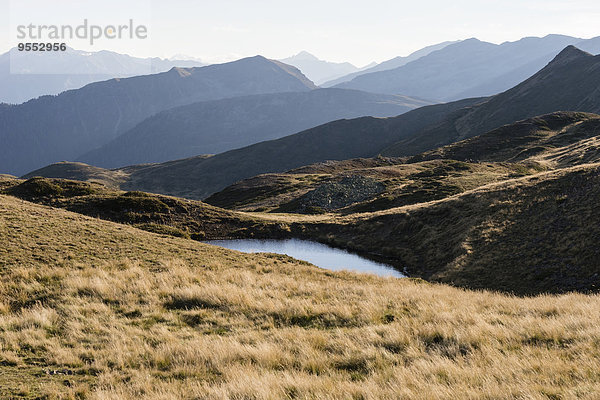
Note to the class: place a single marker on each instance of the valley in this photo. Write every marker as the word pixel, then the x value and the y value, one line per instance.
pixel 445 215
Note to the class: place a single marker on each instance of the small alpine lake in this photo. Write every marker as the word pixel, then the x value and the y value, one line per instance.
pixel 321 255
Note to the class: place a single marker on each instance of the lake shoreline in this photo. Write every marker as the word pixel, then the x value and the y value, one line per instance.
pixel 319 254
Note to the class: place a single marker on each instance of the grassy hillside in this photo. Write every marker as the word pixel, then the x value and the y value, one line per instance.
pixel 344 187
pixel 508 210
pixel 112 178
pixel 82 172
pixel 555 140
pixel 466 224
pixel 522 235
pixel 511 214
pixel 551 141
pixel 93 309
pixel 154 213
pixel 526 235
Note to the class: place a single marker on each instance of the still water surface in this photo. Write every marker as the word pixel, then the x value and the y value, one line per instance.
pixel 315 253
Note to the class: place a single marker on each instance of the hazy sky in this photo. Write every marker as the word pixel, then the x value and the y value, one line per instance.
pixel 336 30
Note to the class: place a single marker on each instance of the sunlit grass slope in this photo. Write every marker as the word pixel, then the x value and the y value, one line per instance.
pixel 94 309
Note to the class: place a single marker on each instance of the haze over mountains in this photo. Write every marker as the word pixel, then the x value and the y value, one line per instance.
pixel 320 71
pixel 569 82
pixel 64 127
pixel 470 68
pixel 390 64
pixel 222 125
pixel 34 74
pixel 221 108
pixel 92 116
pixel 198 177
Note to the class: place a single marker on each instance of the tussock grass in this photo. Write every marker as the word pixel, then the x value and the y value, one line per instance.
pixel 526 236
pixel 86 173
pixel 96 310
pixel 404 184
pixel 151 212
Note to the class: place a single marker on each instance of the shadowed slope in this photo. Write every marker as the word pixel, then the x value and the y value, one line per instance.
pixel 154 213
pixel 536 139
pixel 363 137
pixel 63 127
pixel 219 126
pixel 569 83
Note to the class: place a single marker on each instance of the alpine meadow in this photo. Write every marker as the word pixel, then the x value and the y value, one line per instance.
pixel 181 218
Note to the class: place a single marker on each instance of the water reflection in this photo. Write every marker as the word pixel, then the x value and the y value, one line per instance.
pixel 315 253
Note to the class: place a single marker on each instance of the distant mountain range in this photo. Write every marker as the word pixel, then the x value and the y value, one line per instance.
pixel 319 71
pixel 470 68
pixel 389 64
pixel 63 127
pixel 198 177
pixel 570 82
pixel 221 125
pixel 36 74
pixel 328 74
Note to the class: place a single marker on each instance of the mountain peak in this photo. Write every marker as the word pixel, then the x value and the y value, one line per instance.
pixel 245 62
pixel 305 55
pixel 256 58
pixel 568 54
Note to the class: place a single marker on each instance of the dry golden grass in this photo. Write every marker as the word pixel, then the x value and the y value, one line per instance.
pixel 93 309
pixel 526 236
pixel 405 184
pixel 87 173
pixel 150 212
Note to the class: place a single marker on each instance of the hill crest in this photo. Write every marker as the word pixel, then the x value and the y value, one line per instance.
pixel 567 55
